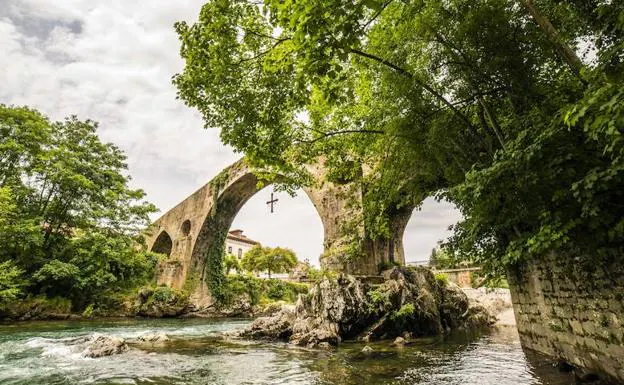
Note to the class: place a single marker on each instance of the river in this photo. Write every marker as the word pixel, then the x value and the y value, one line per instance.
pixel 198 353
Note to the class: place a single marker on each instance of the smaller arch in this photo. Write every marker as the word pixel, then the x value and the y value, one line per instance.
pixel 163 244
pixel 185 229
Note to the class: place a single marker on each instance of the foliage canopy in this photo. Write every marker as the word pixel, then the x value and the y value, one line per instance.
pixel 269 259
pixel 69 223
pixel 511 109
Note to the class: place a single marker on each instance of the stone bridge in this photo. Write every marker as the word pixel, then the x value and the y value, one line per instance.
pixel 196 229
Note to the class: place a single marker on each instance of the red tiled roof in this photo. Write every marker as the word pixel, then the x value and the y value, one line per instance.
pixel 242 238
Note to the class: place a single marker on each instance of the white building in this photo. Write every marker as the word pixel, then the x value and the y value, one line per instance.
pixel 238 244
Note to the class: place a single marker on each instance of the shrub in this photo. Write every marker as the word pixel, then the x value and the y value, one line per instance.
pixel 442 279
pixel 261 290
pixel 10 282
pixel 404 313
pixel 379 299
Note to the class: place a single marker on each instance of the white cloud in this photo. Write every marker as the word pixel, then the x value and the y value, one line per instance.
pixel 112 61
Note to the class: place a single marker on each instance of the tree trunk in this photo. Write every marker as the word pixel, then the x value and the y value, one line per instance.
pixel 568 55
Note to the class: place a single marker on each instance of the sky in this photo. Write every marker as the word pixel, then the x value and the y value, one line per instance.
pixel 112 61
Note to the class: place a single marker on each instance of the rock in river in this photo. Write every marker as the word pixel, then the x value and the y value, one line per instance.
pixel 153 337
pixel 100 345
pixel 410 300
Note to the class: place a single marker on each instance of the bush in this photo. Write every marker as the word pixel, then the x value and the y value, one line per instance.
pixel 442 279
pixel 404 313
pixel 404 317
pixel 160 301
pixel 261 290
pixel 88 312
pixel 35 307
pixel 379 299
pixel 284 291
pixel 236 286
pixel 10 282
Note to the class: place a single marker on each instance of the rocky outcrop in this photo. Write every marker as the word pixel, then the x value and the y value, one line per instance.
pixel 409 301
pixel 101 345
pixel 278 326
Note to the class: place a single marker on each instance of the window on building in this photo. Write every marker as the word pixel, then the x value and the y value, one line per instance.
pixel 240 253
pixel 229 249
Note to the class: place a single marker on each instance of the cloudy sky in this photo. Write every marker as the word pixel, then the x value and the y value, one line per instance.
pixel 112 61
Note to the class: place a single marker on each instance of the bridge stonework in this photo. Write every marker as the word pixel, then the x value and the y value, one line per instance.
pixel 572 309
pixel 200 223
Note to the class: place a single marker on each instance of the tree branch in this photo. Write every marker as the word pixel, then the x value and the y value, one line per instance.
pixel 376 15
pixel 422 84
pixel 568 55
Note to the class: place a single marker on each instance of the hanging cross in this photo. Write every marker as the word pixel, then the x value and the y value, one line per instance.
pixel 272 201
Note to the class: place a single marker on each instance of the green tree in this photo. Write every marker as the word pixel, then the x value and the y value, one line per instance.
pixel 230 262
pixel 277 260
pixel 442 258
pixel 11 282
pixel 68 219
pixel 253 258
pixel 485 103
pixel 269 259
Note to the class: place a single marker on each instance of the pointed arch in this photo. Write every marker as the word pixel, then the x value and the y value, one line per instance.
pixel 163 244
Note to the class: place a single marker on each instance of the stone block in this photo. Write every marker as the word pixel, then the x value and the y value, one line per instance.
pixel 589 328
pixel 577 327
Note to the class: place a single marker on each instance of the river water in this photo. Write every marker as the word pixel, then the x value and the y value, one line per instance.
pixel 200 353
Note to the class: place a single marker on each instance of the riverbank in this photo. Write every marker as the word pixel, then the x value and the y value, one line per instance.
pixel 244 300
pixel 243 296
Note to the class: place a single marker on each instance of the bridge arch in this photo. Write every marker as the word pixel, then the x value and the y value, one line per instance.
pixel 209 246
pixel 185 229
pixel 201 222
pixel 163 244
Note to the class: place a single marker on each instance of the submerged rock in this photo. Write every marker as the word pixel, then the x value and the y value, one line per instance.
pixel 409 302
pixel 399 341
pixel 101 345
pixel 154 337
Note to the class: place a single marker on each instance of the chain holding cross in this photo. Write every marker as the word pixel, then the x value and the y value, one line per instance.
pixel 272 202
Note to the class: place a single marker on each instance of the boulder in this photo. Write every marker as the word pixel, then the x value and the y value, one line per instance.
pixel 409 302
pixel 101 345
pixel 154 337
pixel 399 341
pixel 275 327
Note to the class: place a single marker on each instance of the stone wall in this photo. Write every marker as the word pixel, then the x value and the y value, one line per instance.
pixel 461 277
pixel 572 309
